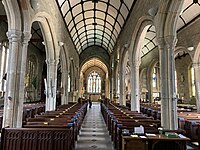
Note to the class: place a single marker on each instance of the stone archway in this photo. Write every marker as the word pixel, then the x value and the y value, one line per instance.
pixel 196 65
pixel 183 64
pixel 135 60
pixel 73 93
pixel 97 65
pixel 122 73
pixel 64 60
pixel 143 85
pixel 52 51
pixel 151 89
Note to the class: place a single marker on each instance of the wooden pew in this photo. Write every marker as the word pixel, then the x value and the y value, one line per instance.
pixel 188 120
pixel 72 117
pixel 115 118
pixel 121 128
pixel 36 139
pixel 157 142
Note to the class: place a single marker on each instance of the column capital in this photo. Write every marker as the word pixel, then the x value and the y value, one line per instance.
pixel 52 61
pixel 136 63
pixel 171 41
pixel 161 42
pixel 14 35
pixel 26 37
pixel 196 65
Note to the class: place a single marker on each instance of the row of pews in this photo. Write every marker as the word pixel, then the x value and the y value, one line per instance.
pixel 51 130
pixel 121 124
pixel 188 119
pixel 29 111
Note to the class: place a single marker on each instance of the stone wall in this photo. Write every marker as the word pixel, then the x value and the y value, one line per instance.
pixel 183 65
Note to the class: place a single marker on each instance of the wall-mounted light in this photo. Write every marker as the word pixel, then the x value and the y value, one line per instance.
pixel 153 11
pixel 43 43
pixel 126 45
pixel 34 4
pixel 190 48
pixel 60 43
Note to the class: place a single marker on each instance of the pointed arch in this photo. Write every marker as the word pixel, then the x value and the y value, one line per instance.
pixel 13 14
pixel 135 59
pixel 181 49
pixel 48 31
pixel 138 36
pixel 196 65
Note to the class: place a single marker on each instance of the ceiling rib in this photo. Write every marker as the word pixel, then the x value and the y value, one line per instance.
pixel 95 22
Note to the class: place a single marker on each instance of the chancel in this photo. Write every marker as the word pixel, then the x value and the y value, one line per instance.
pixel 100 74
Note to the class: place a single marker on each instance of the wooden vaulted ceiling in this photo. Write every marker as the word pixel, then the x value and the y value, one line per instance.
pixel 99 22
pixel 95 22
pixel 190 12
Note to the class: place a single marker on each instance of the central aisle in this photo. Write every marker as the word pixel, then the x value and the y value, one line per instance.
pixel 94 134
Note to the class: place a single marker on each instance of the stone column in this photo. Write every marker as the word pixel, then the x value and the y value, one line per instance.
pixel 51 84
pixel 171 42
pixel 135 86
pixel 111 84
pixel 23 59
pixel 12 99
pixel 150 86
pixel 73 89
pixel 64 92
pixel 114 84
pixel 167 82
pixel 107 86
pixel 122 99
pixel 197 84
pixel 165 119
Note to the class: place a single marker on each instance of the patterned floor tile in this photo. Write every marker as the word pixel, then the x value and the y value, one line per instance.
pixel 94 134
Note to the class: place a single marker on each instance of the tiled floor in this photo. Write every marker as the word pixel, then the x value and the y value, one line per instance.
pixel 93 134
pixel 191 146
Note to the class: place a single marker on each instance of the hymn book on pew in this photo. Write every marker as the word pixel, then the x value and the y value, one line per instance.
pixel 139 130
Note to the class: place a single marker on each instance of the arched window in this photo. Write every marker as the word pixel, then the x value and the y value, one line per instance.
pixel 155 77
pixel 154 80
pixel 3 64
pixel 176 83
pixel 118 86
pixel 192 82
pixel 69 83
pixel 31 79
pixel 94 83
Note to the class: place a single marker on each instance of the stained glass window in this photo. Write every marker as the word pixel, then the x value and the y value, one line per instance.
pixel 94 83
pixel 154 77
